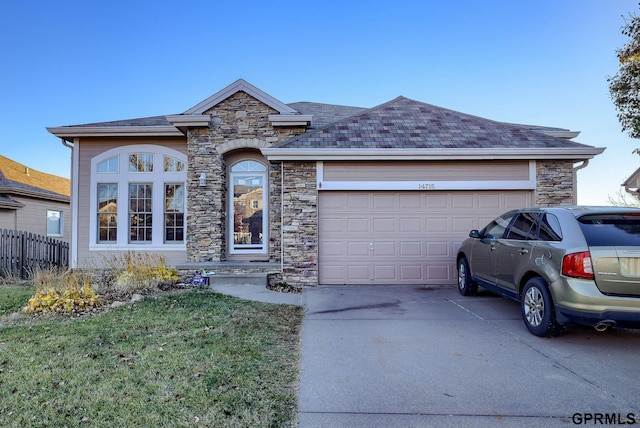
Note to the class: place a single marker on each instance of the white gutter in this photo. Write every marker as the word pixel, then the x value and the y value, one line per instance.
pixel 73 257
pixel 68 132
pixel 584 164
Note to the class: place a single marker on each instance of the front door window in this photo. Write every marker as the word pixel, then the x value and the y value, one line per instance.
pixel 249 200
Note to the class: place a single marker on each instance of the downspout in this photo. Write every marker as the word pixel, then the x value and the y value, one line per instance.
pixel 584 164
pixel 73 257
pixel 282 219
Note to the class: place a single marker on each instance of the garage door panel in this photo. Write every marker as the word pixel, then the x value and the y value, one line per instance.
pixel 357 249
pixel 411 249
pixel 381 225
pixel 437 225
pixel 386 273
pixel 390 237
pixel 358 274
pixel 385 249
pixel 463 201
pixel 435 249
pixel 410 201
pixel 382 201
pixel 410 225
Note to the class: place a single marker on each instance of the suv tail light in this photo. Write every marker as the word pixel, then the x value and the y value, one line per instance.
pixel 578 265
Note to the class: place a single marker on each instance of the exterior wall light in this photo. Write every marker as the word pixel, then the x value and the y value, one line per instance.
pixel 203 180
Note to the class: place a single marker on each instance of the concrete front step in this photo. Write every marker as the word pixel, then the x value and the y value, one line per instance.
pixel 260 279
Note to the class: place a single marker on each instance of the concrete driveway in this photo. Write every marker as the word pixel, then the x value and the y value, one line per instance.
pixel 403 356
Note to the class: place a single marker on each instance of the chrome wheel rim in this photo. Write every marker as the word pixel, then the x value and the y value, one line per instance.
pixel 462 276
pixel 534 306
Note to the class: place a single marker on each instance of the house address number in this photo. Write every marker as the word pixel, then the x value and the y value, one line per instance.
pixel 426 186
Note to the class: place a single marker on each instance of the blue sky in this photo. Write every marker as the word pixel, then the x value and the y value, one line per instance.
pixel 542 62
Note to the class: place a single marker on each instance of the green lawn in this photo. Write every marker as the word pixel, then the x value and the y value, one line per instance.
pixel 195 358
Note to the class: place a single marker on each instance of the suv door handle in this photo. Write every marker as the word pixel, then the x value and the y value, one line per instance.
pixel 524 251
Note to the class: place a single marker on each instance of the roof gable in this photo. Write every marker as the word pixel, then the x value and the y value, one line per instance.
pixel 237 86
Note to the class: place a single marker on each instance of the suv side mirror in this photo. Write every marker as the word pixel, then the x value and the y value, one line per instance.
pixel 474 234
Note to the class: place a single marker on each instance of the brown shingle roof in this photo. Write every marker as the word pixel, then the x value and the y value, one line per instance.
pixel 405 123
pixel 21 178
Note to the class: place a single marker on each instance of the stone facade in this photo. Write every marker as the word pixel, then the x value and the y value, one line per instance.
pixel 239 124
pixel 300 224
pixel 555 183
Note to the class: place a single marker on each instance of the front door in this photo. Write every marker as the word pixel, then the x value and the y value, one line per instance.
pixel 247 195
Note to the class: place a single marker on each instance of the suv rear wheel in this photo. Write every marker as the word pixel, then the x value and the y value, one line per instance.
pixel 537 309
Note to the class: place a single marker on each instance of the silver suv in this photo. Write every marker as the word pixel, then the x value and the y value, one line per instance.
pixel 564 265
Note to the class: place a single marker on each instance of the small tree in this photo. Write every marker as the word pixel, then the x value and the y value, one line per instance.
pixel 624 87
pixel 624 199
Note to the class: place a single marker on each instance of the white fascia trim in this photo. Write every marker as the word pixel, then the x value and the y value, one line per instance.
pixel 189 119
pixel 290 119
pixel 280 154
pixel 237 86
pixel 115 131
pixel 427 185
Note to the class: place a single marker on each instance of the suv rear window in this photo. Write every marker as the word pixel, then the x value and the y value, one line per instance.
pixel 611 229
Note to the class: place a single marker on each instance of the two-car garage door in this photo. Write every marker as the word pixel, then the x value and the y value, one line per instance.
pixel 402 237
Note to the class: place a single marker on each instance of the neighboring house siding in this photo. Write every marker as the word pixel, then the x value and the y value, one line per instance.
pixel 555 181
pixel 87 150
pixel 32 218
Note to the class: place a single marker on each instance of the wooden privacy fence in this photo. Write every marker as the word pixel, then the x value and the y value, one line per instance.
pixel 21 253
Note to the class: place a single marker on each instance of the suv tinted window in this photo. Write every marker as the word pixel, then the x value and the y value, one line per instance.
pixel 523 227
pixel 496 228
pixel 611 229
pixel 550 228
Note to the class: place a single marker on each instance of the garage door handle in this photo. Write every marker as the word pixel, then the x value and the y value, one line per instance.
pixel 523 251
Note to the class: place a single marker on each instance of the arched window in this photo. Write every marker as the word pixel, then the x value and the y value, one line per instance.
pixel 138 198
pixel 248 202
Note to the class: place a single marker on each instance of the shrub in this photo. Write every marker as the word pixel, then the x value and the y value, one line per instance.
pixel 140 273
pixel 62 292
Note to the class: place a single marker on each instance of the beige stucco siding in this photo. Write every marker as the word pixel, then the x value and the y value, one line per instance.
pixel 87 149
pixel 426 171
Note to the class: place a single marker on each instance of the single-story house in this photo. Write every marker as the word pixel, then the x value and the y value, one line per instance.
pixel 33 201
pixel 308 193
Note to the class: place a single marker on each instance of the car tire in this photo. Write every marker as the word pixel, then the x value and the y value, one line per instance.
pixel 537 308
pixel 466 285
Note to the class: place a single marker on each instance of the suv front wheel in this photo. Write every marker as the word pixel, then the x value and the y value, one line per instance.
pixel 466 285
pixel 537 308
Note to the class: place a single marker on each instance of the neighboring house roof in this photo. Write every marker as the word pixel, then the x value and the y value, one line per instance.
pixel 18 179
pixel 632 184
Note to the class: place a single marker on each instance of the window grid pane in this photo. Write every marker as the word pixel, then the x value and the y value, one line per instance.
pixel 141 162
pixel 174 212
pixel 107 212
pixel 140 204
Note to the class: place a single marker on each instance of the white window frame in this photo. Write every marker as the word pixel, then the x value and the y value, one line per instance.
pixel 124 177
pixel 60 223
pixel 265 207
